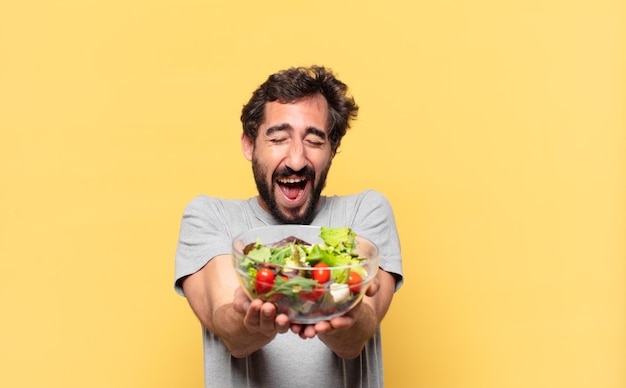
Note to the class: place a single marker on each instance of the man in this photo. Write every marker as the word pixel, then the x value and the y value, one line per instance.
pixel 292 128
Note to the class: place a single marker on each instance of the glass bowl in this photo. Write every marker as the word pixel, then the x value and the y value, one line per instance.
pixel 305 293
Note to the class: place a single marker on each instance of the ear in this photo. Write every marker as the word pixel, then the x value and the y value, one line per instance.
pixel 247 146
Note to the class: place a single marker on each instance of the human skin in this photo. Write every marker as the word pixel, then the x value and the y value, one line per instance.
pixel 291 157
pixel 294 138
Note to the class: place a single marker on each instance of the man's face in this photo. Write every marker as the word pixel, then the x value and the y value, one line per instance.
pixel 291 157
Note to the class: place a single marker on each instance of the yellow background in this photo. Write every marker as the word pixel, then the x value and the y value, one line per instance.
pixel 496 128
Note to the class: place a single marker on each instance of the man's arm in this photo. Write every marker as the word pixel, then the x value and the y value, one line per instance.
pixel 346 335
pixel 221 306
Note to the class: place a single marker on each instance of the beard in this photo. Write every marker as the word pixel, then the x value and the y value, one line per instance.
pixel 267 192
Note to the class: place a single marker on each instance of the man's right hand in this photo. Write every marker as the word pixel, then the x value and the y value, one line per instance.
pixel 215 296
pixel 259 316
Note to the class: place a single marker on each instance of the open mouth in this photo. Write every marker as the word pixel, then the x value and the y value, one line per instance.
pixel 292 188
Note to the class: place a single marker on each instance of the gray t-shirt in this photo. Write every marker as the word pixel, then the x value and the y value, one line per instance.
pixel 207 229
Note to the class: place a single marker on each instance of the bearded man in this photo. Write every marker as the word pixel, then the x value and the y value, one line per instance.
pixel 292 128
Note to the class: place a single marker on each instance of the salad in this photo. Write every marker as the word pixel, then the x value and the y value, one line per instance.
pixel 303 278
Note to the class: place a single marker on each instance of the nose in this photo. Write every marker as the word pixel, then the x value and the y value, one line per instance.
pixel 296 159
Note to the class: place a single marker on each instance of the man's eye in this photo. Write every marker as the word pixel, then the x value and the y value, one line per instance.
pixel 277 140
pixel 315 142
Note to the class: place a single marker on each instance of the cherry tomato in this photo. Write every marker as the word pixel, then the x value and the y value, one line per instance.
pixel 264 280
pixel 321 273
pixel 354 281
pixel 312 295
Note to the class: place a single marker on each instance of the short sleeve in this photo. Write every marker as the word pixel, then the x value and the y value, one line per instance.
pixel 374 220
pixel 203 235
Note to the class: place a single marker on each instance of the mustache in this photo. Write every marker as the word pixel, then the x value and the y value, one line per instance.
pixel 306 172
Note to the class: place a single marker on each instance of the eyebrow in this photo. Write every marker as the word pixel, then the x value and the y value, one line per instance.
pixel 283 127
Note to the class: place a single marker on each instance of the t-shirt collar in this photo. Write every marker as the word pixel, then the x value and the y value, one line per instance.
pixel 266 218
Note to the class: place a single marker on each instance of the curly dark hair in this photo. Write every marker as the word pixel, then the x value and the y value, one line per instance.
pixel 294 83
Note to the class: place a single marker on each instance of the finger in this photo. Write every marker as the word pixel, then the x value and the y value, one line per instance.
pixel 323 326
pixel 308 332
pixel 300 330
pixel 296 328
pixel 373 287
pixel 252 318
pixel 267 317
pixel 282 323
pixel 337 323
pixel 241 302
pixel 342 322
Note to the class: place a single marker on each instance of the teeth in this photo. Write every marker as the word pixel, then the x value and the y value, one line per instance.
pixel 291 180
